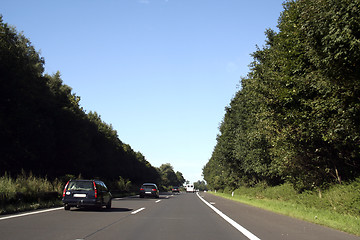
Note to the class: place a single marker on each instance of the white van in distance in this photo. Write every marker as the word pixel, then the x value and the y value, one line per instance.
pixel 190 188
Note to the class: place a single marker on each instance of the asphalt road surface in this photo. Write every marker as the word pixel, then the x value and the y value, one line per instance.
pixel 181 216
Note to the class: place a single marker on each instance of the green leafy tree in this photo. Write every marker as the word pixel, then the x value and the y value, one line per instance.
pixel 296 117
pixel 315 57
pixel 200 185
pixel 44 130
pixel 168 176
pixel 180 179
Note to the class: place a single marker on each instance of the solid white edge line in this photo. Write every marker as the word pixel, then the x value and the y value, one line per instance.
pixel 30 213
pixel 229 220
pixel 139 210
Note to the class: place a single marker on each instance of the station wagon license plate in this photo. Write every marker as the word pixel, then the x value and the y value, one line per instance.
pixel 79 195
pixel 148 192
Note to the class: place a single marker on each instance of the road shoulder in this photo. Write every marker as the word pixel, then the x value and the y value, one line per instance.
pixel 269 225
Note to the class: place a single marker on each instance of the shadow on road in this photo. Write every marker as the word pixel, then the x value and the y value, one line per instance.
pixel 94 209
pixel 163 196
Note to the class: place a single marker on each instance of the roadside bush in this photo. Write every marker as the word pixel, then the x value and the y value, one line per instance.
pixel 121 187
pixel 26 191
pixel 343 199
pixel 256 191
pixel 284 192
pixel 228 190
pixel 7 189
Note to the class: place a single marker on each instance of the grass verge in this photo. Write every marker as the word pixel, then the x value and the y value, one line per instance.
pixel 329 210
pixel 21 207
pixel 27 192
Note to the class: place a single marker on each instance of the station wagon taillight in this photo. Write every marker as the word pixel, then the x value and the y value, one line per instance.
pixel 95 189
pixel 65 188
pixel 154 190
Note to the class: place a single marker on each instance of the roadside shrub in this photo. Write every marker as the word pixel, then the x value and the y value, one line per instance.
pixel 121 187
pixel 284 192
pixel 344 198
pixel 228 190
pixel 27 190
pixel 7 188
pixel 219 191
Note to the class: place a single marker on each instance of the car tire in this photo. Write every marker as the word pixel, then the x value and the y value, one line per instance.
pixel 108 206
pixel 67 207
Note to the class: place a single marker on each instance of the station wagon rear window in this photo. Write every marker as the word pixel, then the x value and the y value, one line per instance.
pixel 83 186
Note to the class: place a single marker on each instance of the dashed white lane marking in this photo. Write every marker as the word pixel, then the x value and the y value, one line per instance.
pixel 31 213
pixel 158 201
pixel 139 210
pixel 240 228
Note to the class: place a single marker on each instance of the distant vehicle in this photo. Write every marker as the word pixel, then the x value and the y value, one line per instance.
pixel 190 188
pixel 149 189
pixel 175 190
pixel 86 193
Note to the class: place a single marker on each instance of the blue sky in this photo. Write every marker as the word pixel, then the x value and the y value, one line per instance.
pixel 160 71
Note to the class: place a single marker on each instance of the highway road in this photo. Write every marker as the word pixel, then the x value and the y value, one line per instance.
pixel 184 216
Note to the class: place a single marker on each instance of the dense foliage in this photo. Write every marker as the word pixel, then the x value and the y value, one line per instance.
pixel 44 130
pixel 296 117
pixel 28 192
pixel 200 185
pixel 169 177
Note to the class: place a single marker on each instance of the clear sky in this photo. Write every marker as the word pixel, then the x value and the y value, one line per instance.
pixel 160 71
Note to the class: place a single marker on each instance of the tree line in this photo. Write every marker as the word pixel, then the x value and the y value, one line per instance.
pixel 45 131
pixel 296 117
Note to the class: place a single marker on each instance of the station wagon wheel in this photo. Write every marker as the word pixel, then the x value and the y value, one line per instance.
pixel 67 207
pixel 108 206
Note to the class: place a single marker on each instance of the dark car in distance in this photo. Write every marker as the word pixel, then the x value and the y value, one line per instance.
pixel 149 189
pixel 175 190
pixel 86 193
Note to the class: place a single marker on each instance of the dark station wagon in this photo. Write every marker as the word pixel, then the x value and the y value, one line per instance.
pixel 86 193
pixel 149 189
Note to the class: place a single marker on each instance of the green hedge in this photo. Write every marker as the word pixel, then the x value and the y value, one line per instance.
pixel 343 199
